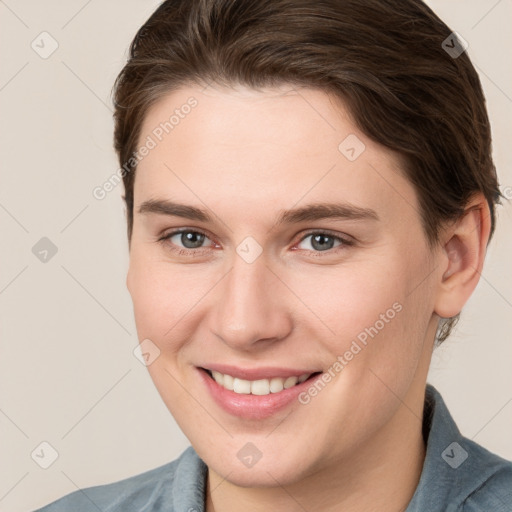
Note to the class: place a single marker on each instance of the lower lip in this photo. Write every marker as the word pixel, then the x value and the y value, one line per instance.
pixel 254 407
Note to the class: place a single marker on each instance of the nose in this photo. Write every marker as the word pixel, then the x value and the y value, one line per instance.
pixel 251 308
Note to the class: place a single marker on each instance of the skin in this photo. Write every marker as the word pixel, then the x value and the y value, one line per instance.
pixel 245 156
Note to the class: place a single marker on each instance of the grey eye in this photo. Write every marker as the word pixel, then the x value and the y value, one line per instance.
pixel 189 239
pixel 321 241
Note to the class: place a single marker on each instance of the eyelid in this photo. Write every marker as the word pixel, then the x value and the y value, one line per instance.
pixel 166 235
pixel 344 239
pixel 345 242
pixel 334 234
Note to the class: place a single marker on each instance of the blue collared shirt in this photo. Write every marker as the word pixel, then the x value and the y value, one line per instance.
pixel 458 476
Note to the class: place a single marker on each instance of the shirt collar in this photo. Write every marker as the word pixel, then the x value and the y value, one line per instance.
pixel 454 466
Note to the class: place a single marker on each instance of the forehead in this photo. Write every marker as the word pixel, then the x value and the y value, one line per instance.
pixel 265 148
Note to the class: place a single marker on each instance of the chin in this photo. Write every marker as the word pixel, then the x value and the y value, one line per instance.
pixel 270 470
pixel 260 475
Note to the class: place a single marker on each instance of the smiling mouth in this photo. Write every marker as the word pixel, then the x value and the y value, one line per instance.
pixel 258 387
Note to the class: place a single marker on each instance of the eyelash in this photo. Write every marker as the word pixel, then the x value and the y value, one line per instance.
pixel 345 242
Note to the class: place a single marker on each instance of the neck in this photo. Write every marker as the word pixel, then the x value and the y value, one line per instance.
pixel 380 476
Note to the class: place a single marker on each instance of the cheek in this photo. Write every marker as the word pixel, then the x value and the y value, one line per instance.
pixel 164 298
pixel 370 311
pixel 353 297
pixel 162 295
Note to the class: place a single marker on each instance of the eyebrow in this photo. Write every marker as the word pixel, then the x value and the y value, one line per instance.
pixel 312 212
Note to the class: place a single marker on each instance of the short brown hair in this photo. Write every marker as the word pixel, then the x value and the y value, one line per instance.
pixel 384 59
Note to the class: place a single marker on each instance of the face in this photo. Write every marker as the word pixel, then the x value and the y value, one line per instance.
pixel 274 242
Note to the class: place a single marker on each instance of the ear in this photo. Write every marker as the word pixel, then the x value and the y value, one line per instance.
pixel 464 244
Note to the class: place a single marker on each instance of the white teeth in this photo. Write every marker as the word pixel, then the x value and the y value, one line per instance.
pixel 219 378
pixel 257 387
pixel 228 382
pixel 290 382
pixel 276 385
pixel 242 386
pixel 260 387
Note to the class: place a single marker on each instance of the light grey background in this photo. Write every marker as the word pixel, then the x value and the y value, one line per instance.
pixel 68 374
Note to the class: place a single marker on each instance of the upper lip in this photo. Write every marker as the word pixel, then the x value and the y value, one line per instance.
pixel 263 372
